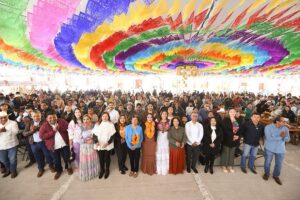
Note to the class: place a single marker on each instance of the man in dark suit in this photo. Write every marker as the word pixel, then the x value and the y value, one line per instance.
pixel 38 146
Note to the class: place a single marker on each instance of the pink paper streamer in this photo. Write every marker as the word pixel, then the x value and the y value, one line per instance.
pixel 45 21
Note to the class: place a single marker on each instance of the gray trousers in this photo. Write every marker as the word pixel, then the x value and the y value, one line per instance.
pixel 227 156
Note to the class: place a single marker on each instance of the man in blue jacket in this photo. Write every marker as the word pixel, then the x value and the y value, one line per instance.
pixel 276 135
pixel 252 131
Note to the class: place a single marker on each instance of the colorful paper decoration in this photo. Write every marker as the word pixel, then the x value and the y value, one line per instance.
pixel 214 37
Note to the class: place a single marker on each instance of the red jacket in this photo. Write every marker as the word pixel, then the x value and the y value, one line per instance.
pixel 47 133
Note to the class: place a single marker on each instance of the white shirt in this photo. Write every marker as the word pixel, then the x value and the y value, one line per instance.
pixel 8 139
pixel 58 140
pixel 36 136
pixel 194 132
pixel 114 116
pixel 103 132
pixel 213 134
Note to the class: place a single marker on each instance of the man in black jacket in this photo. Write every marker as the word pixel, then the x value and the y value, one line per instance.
pixel 252 131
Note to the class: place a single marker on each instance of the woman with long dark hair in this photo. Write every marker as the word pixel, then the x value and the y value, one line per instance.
pixel 177 139
pixel 74 132
pixel 89 161
pixel 231 136
pixel 162 147
pixel 120 143
pixel 149 146
pixel 104 137
pixel 212 140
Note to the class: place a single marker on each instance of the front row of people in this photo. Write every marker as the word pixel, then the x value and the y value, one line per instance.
pixel 167 147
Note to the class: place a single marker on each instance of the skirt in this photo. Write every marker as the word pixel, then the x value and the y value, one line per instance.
pixel 89 162
pixel 162 154
pixel 76 148
pixel 148 156
pixel 177 160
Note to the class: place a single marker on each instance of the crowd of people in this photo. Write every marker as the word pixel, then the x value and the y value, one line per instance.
pixel 169 133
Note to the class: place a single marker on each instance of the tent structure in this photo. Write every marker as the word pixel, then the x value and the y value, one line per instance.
pixel 247 38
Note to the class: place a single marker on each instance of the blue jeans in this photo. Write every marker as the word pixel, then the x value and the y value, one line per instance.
pixel 278 162
pixel 9 158
pixel 250 151
pixel 39 149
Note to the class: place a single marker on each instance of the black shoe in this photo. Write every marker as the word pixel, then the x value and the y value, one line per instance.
pixel 188 170
pixel 112 152
pixel 265 177
pixel 29 164
pixel 3 170
pixel 122 172
pixel 211 170
pixel 57 175
pixel 253 171
pixel 106 174
pixel 7 173
pixel 244 170
pixel 125 168
pixel 195 170
pixel 277 180
pixel 206 169
pixel 14 175
pixel 101 174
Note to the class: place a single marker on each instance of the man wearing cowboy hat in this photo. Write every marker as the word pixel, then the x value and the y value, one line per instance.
pixel 8 144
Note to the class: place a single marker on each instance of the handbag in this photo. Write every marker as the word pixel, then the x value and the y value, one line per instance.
pixel 72 155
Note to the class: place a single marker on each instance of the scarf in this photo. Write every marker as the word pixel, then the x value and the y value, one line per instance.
pixel 213 134
pixel 122 130
pixel 150 129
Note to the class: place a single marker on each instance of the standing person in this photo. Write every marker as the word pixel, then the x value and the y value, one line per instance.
pixel 184 120
pixel 89 161
pixel 68 114
pixel 162 147
pixel 248 111
pixel 120 144
pixel 92 115
pixel 134 138
pixel 231 136
pixel 194 132
pixel 149 146
pixel 170 113
pixel 8 144
pixel 38 147
pixel 212 140
pixel 74 131
pixel 177 140
pixel 129 112
pixel 104 140
pixel 113 114
pixel 54 132
pixel 252 131
pixel 25 119
pixel 178 110
pixel 276 135
pixel 149 110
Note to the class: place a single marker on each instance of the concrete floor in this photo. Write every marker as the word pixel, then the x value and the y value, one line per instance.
pixel 218 186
